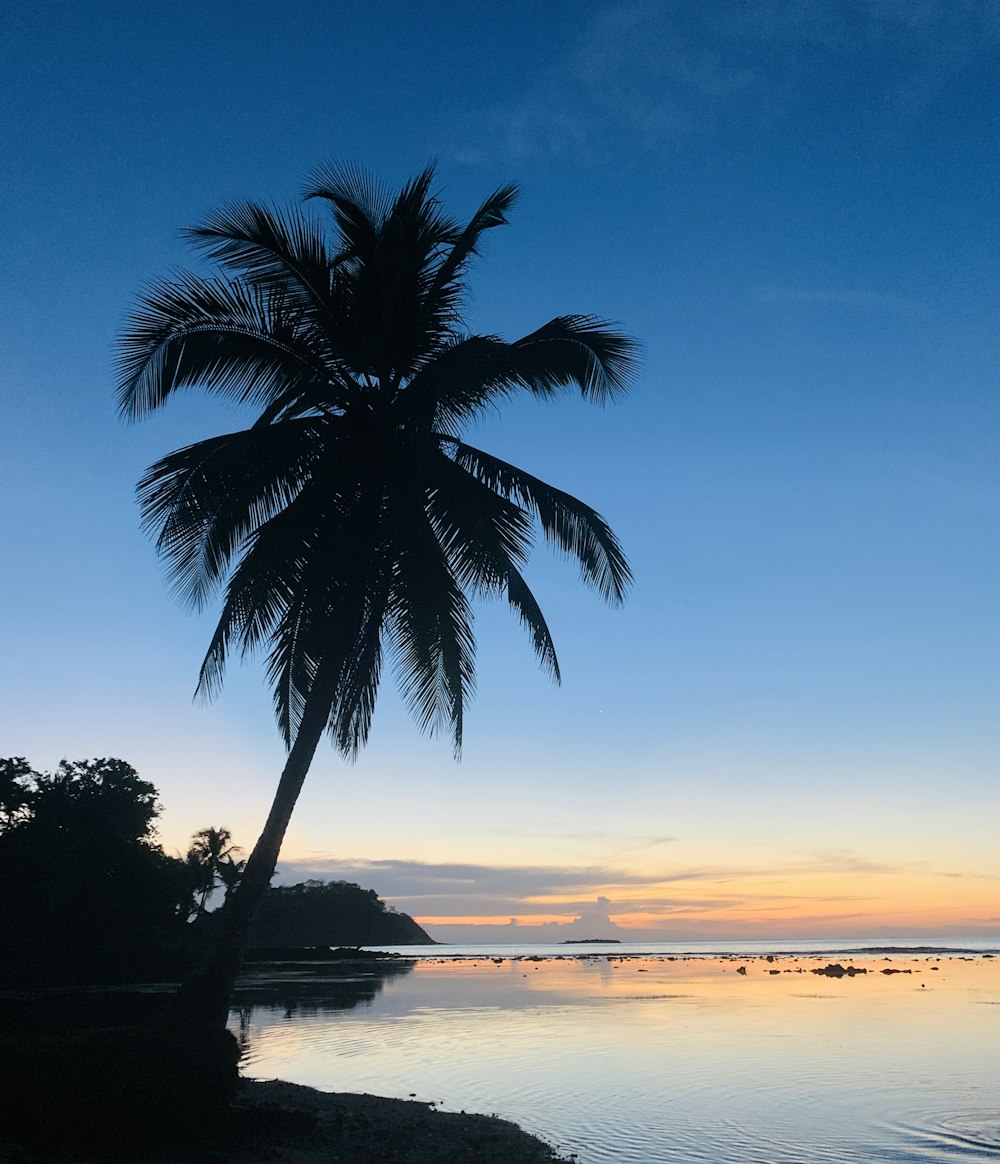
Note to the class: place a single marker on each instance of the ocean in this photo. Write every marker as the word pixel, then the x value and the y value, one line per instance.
pixel 843 1051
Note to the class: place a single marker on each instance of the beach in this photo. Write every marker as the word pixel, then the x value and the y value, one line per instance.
pixel 279 1121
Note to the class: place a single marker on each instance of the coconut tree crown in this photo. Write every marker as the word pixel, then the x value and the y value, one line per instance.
pixel 351 520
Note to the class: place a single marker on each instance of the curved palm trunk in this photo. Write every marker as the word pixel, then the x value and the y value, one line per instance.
pixel 204 997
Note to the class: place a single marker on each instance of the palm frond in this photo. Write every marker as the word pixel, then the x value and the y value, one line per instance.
pixel 334 621
pixel 205 500
pixel 294 659
pixel 568 523
pixel 581 350
pixel 458 382
pixel 253 606
pixel 447 282
pixel 524 603
pixel 281 561
pixel 360 201
pixel 486 538
pixel 272 248
pixel 429 628
pixel 482 533
pixel 469 374
pixel 334 605
pixel 351 716
pixel 389 249
pixel 225 337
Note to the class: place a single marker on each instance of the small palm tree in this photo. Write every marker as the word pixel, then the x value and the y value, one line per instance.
pixel 211 859
pixel 351 521
pixel 229 872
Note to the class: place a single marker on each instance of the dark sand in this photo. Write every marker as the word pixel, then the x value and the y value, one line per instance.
pixel 289 1124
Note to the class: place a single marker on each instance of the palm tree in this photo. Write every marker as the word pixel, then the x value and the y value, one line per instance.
pixel 229 873
pixel 351 521
pixel 211 859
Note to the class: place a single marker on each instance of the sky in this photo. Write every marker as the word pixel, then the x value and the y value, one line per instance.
pixel 791 728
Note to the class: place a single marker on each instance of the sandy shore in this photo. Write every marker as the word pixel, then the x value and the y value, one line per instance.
pixel 288 1124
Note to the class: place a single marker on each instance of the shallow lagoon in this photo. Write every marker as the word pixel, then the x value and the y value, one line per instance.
pixel 638 1059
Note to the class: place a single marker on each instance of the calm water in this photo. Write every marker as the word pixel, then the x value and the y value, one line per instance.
pixel 638 1059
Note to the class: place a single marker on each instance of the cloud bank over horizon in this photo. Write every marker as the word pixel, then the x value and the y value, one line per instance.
pixel 823 894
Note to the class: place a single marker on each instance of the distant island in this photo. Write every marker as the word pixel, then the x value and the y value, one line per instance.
pixel 592 942
pixel 330 913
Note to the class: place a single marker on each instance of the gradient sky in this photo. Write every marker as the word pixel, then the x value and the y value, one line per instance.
pixel 792 727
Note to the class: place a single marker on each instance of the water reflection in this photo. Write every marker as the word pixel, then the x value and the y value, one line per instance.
pixel 642 1060
pixel 301 989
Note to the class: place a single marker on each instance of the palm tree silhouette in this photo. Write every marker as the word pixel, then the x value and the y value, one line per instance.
pixel 229 872
pixel 211 857
pixel 351 521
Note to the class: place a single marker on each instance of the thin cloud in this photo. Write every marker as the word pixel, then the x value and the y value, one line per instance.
pixel 548 833
pixel 625 842
pixel 456 889
pixel 631 70
pixel 841 297
pixel 845 861
pixel 645 75
pixel 420 878
pixel 637 844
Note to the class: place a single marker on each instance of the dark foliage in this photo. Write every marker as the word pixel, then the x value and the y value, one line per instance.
pixel 86 895
pixel 114 1090
pixel 330 913
pixel 47 1011
pixel 213 862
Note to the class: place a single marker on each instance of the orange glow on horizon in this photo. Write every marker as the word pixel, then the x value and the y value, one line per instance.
pixel 537 919
pixel 767 903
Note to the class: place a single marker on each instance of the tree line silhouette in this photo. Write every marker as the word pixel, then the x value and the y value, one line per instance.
pixel 88 893
pixel 89 896
pixel 323 913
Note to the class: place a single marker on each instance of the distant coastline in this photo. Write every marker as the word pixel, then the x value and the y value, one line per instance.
pixel 592 942
pixel 961 946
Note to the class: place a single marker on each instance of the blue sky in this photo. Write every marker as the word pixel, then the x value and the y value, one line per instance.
pixel 793 723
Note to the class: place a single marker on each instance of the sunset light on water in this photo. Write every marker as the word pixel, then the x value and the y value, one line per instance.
pixel 701 1059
